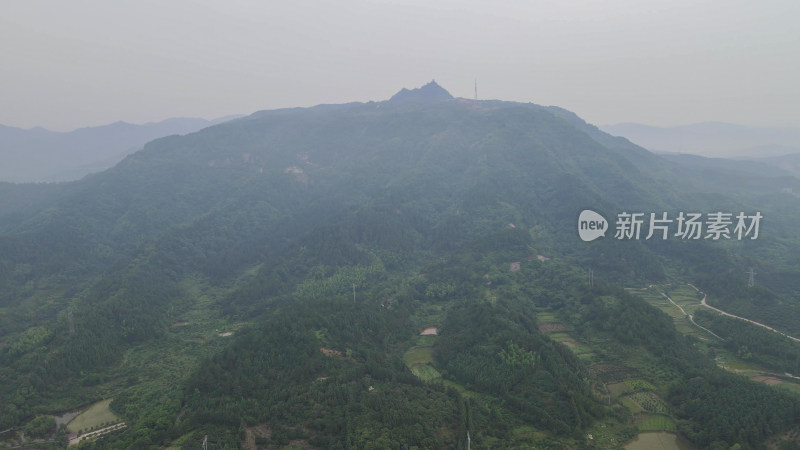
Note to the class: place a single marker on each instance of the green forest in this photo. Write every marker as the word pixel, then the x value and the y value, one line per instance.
pixel 265 283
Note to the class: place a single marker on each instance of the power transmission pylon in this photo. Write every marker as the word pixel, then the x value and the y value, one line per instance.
pixel 751 280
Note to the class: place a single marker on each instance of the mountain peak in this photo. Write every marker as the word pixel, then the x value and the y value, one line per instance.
pixel 430 92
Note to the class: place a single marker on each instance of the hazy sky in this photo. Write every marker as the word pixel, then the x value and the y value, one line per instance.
pixel 67 64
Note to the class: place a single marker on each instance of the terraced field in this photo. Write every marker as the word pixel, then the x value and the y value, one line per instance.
pixel 419 359
pixel 655 422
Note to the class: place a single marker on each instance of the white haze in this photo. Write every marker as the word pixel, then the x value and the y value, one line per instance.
pixel 81 63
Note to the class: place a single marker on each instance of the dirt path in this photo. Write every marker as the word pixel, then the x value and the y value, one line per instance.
pixel 705 304
pixel 691 318
pixel 679 306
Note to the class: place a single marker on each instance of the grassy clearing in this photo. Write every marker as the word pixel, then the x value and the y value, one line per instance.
pixel 425 372
pixel 563 337
pixel 793 387
pixel 632 407
pixel 618 389
pixel 97 415
pixel 655 422
pixel 652 295
pixel 580 350
pixel 418 355
pixel 684 292
pixel 425 341
pixel 420 360
pixel 546 317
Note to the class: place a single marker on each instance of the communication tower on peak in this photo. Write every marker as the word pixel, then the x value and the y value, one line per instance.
pixel 476 88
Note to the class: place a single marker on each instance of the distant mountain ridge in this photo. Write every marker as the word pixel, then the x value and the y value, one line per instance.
pixel 39 154
pixel 712 139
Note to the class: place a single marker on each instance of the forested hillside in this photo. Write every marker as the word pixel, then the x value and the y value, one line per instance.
pixel 266 282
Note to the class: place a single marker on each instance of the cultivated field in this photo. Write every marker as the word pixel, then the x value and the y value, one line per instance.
pixel 97 415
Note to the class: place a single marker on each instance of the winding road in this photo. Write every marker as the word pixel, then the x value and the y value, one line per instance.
pixel 704 303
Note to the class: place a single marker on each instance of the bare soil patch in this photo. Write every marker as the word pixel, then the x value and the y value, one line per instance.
pixel 429 331
pixel 771 381
pixel 329 352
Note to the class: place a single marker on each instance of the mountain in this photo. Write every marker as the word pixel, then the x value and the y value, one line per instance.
pixel 430 92
pixel 712 139
pixel 787 162
pixel 764 167
pixel 41 155
pixel 394 273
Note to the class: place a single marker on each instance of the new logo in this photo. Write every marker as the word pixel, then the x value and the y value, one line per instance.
pixel 591 225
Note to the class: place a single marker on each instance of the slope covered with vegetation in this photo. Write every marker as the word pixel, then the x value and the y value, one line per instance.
pixel 264 282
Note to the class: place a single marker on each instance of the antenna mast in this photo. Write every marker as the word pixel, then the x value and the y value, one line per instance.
pixel 476 88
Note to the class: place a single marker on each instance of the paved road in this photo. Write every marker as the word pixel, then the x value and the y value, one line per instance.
pixel 703 303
